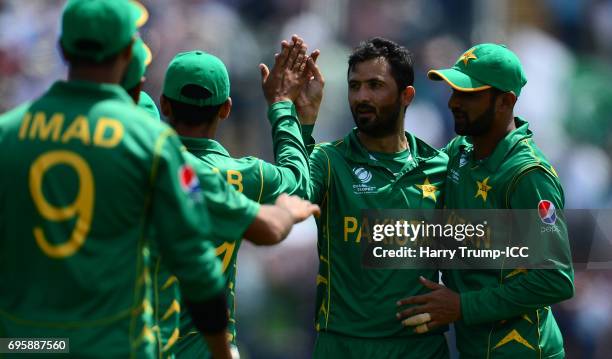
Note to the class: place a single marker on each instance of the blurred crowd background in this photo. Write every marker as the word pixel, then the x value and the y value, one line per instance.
pixel 565 47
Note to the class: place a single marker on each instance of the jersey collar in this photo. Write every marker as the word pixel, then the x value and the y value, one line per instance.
pixel 419 150
pixel 90 90
pixel 203 145
pixel 506 145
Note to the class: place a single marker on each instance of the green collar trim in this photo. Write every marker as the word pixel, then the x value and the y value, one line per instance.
pixel 506 145
pixel 419 150
pixel 196 144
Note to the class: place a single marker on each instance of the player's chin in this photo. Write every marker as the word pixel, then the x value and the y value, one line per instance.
pixel 366 123
pixel 460 127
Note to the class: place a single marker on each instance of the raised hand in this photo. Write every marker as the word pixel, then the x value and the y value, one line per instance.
pixel 299 209
pixel 285 80
pixel 309 100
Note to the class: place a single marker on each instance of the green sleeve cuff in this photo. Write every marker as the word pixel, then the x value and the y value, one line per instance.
pixel 251 212
pixel 280 110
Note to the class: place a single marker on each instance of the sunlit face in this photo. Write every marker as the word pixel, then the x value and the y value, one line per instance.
pixel 474 112
pixel 374 98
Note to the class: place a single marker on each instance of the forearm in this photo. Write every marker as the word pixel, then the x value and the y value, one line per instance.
pixel 290 152
pixel 535 289
pixel 271 225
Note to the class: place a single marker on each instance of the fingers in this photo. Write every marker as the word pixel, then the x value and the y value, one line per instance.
pixel 417 299
pixel 412 311
pixel 298 51
pixel 429 284
pixel 315 55
pixel 265 72
pixel 420 329
pixel 314 70
pixel 281 59
pixel 417 320
pixel 315 210
pixel 424 328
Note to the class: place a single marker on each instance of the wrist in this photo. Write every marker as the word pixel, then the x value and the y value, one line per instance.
pixel 278 98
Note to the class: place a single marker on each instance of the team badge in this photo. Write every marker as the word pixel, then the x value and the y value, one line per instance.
pixel 546 210
pixel 190 183
pixel 362 174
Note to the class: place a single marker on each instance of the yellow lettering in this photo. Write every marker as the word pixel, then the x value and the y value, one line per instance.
pixel 350 226
pixel 79 128
pixel 116 132
pixel 81 207
pixel 42 128
pixel 235 179
pixel 25 123
pixel 227 250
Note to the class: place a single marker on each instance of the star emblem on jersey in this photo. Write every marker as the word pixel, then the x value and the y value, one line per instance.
pixel 468 55
pixel 483 189
pixel 428 189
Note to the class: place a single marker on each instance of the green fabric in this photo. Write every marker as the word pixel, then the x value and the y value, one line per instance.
pixel 109 24
pixel 141 58
pixel 146 103
pixel 232 213
pixel 483 66
pixel 86 146
pixel 395 162
pixel 260 182
pixel 330 345
pixel 506 313
pixel 352 300
pixel 200 69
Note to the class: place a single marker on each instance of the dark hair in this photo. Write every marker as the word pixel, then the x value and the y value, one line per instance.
pixel 397 56
pixel 192 115
pixel 90 45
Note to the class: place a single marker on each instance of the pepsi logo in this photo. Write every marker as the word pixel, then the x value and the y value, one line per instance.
pixel 546 210
pixel 188 179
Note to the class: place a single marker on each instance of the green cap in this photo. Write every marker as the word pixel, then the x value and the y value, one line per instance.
pixel 97 29
pixel 482 67
pixel 147 104
pixel 197 78
pixel 141 58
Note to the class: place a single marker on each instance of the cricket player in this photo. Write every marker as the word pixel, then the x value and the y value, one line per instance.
pixel 134 78
pixel 196 97
pixel 88 182
pixel 377 165
pixel 495 164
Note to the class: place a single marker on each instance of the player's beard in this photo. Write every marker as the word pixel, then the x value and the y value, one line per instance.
pixel 378 122
pixel 481 125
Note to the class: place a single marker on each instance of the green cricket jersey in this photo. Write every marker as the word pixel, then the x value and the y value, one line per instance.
pixel 506 313
pixel 258 181
pixel 88 179
pixel 352 300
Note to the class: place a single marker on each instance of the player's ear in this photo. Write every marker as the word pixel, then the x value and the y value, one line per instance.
pixel 407 95
pixel 126 54
pixel 166 109
pixel 506 101
pixel 225 109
